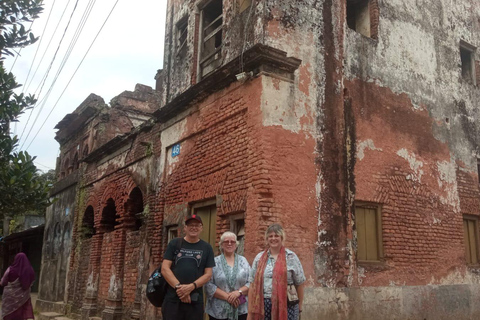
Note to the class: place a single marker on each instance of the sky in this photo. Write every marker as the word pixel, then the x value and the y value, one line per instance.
pixel 128 50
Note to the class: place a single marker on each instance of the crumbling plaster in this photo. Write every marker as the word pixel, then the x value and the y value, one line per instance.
pixel 417 53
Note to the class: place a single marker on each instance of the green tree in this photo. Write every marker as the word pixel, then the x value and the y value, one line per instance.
pixel 21 187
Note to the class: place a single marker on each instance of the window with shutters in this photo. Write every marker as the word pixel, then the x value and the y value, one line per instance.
pixel 211 37
pixel 470 234
pixel 369 232
pixel 182 33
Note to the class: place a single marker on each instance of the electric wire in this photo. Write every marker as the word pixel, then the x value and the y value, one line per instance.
pixel 48 45
pixel 39 43
pixel 72 44
pixel 40 63
pixel 69 81
pixel 53 59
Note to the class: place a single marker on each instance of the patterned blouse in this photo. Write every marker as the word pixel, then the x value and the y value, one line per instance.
pixel 215 307
pixel 295 273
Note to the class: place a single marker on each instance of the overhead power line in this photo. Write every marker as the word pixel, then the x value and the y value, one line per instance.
pixel 71 46
pixel 48 45
pixel 39 43
pixel 51 63
pixel 69 81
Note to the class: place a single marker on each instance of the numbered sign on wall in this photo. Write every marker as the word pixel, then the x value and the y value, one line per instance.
pixel 176 150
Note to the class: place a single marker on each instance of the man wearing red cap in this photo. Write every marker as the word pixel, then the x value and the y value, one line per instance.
pixel 194 261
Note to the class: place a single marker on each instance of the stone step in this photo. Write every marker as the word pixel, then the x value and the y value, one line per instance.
pixel 49 306
pixel 48 315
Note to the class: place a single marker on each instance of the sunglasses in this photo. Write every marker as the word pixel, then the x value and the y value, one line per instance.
pixel 230 242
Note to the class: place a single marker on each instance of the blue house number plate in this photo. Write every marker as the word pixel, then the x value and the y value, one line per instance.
pixel 176 150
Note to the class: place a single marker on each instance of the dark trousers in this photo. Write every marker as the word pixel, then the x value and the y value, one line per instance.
pixel 240 317
pixel 182 311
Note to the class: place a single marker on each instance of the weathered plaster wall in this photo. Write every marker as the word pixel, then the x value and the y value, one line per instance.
pixel 416 138
pixel 241 30
pixel 56 248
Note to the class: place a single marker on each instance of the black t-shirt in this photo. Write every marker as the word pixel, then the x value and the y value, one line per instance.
pixel 190 264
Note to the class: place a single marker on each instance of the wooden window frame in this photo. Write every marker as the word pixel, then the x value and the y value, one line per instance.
pixel 181 35
pixel 378 232
pixel 213 58
pixel 476 239
pixel 169 230
pixel 234 227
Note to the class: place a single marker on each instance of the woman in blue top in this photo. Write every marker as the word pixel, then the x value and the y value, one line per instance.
pixel 228 287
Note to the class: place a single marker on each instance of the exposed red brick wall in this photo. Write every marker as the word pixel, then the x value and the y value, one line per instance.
pixel 130 275
pixel 106 262
pixel 421 218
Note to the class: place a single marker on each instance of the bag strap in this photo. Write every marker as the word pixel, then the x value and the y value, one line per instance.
pixel 178 246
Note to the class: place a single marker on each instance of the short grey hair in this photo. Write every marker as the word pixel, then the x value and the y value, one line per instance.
pixel 277 229
pixel 227 234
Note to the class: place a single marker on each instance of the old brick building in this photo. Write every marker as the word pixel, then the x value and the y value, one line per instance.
pixel 352 123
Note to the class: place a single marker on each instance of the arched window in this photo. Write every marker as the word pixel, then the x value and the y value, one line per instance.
pixel 75 163
pixel 134 209
pixel 88 224
pixel 66 166
pixel 85 151
pixel 109 216
pixel 57 239
pixel 66 239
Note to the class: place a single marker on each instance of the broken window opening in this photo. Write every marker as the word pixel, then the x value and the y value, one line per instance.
pixel 110 218
pixel 75 161
pixel 66 166
pixel 470 234
pixel 88 223
pixel 363 17
pixel 237 226
pixel 182 35
pixel 212 32
pixel 172 233
pixel 478 170
pixel 467 57
pixel 369 233
pixel 134 208
pixel 85 151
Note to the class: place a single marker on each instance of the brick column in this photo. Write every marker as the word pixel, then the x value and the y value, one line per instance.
pixel 89 308
pixel 113 305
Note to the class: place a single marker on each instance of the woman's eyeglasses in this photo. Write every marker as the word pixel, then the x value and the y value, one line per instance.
pixel 230 242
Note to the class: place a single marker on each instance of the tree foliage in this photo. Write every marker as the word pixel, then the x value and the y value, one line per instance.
pixel 21 187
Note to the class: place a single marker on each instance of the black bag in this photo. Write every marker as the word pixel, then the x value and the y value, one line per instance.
pixel 157 285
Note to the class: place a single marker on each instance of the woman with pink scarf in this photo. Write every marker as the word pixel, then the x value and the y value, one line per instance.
pixel 17 280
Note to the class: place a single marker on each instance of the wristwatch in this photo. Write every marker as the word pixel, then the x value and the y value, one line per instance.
pixel 177 285
pixel 240 291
